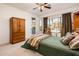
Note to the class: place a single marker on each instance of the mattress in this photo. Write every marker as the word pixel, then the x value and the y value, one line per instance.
pixel 52 46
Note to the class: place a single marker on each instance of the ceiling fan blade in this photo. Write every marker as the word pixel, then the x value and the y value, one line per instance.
pixel 41 3
pixel 37 3
pixel 35 8
pixel 47 7
pixel 45 3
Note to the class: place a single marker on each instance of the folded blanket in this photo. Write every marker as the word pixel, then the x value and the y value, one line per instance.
pixel 35 40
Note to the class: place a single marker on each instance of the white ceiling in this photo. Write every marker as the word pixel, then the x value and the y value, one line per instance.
pixel 55 7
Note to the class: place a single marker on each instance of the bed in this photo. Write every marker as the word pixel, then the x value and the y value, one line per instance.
pixel 52 46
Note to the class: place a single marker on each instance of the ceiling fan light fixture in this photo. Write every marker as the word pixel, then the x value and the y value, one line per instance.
pixel 42 6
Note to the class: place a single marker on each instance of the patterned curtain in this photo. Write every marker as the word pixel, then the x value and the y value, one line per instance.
pixel 66 23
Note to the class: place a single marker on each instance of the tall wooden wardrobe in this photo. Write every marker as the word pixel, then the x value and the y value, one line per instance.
pixel 17 30
pixel 76 21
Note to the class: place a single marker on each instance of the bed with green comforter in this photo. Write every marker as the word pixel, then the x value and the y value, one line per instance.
pixel 52 46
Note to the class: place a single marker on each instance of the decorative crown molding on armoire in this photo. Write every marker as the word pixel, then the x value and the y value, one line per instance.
pixel 17 30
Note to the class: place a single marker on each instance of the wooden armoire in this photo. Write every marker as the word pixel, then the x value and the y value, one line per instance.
pixel 76 21
pixel 17 30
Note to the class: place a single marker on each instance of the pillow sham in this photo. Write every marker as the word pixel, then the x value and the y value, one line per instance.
pixel 66 39
pixel 74 33
pixel 74 44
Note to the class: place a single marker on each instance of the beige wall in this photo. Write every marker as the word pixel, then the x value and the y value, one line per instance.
pixel 6 12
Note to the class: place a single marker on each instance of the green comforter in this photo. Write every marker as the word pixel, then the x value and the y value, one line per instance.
pixel 52 46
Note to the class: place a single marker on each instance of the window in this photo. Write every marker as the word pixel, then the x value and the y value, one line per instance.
pixel 33 25
pixel 41 26
pixel 55 25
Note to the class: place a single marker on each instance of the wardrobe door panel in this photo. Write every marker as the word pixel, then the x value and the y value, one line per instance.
pixel 76 22
pixel 21 25
pixel 15 25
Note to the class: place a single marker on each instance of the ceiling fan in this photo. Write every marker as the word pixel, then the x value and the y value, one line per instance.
pixel 42 6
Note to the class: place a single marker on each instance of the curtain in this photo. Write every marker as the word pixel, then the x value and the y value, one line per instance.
pixel 45 24
pixel 66 23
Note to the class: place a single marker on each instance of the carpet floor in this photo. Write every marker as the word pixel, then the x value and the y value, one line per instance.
pixel 16 50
